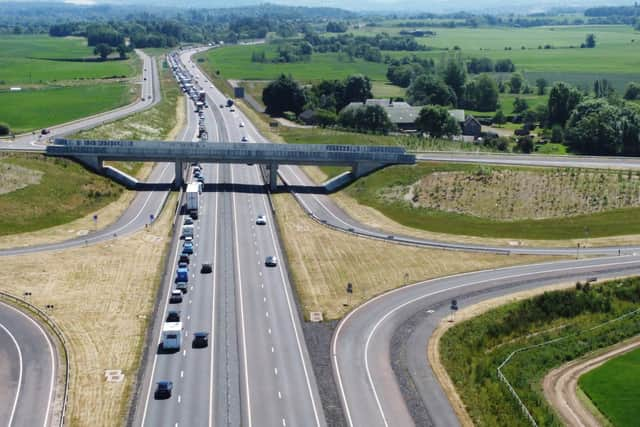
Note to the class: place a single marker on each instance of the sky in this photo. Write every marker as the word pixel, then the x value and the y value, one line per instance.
pixel 408 6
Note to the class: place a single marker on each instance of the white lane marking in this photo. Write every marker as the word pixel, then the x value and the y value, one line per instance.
pixel 188 317
pixel 15 402
pixel 53 360
pixel 184 353
pixel 284 423
pixel 164 316
pixel 291 315
pixel 264 299
pixel 242 323
pixel 179 398
pixel 269 331
pixel 213 302
pixel 267 314
pixel 279 395
pixel 272 349
pixel 366 360
pixel 262 285
pixel 275 371
pixel 181 374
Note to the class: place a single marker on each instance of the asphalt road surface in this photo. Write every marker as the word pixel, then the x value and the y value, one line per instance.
pixel 27 370
pixel 368 387
pixel 256 370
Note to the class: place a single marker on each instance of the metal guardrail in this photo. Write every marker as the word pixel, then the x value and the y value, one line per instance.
pixel 61 338
pixel 504 379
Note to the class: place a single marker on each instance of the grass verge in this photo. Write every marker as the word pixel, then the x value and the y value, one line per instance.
pixel 613 389
pixel 320 272
pixel 472 350
pixel 93 290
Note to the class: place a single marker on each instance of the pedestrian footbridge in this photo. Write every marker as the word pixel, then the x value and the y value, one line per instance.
pixel 361 159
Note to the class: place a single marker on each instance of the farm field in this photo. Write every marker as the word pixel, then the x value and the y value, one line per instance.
pixel 387 191
pixel 38 60
pixel 613 388
pixel 34 109
pixel 61 81
pixel 234 62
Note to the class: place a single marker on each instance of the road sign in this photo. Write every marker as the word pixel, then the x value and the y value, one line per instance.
pixel 349 288
pixel 454 305
pixel 151 217
pixel 95 218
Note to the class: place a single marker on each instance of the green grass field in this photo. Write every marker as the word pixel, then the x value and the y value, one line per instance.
pixel 36 60
pixel 66 192
pixel 613 388
pixel 234 62
pixel 34 109
pixel 368 191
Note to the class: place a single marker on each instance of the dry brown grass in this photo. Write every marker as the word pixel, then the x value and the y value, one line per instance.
pixel 323 261
pixel 103 296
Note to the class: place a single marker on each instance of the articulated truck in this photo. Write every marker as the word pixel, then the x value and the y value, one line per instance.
pixel 172 336
pixel 193 202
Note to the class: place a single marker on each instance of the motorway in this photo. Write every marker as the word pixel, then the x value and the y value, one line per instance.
pixel 27 370
pixel 256 370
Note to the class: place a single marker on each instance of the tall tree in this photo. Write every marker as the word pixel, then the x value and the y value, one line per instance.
pixel 481 94
pixel 428 89
pixel 357 88
pixel 103 50
pixel 283 94
pixel 563 98
pixel 454 75
pixel 541 84
pixel 590 41
pixel 437 122
pixel 515 82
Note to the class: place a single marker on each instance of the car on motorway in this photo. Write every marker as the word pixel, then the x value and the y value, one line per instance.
pixel 241 124
pixel 187 248
pixel 182 287
pixel 261 220
pixel 244 139
pixel 233 110
pixel 45 131
pixel 183 264
pixel 200 179
pixel 188 238
pixel 200 339
pixel 188 221
pixel 206 268
pixel 271 261
pixel 175 297
pixel 163 390
pixel 184 258
pixel 173 316
pixel 221 105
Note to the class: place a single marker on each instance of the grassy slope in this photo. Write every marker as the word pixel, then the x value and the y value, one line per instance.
pixel 365 191
pixel 613 388
pixel 40 59
pixel 66 192
pixel 472 350
pixel 34 109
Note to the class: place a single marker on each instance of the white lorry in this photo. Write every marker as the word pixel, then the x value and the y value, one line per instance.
pixel 172 336
pixel 193 194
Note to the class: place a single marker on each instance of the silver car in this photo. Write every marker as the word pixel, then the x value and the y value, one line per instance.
pixel 271 261
pixel 261 220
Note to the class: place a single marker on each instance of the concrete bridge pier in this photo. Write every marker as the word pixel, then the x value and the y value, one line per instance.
pixel 273 176
pixel 178 181
pixel 92 162
pixel 361 169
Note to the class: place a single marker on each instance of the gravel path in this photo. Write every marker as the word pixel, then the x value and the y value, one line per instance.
pixel 560 385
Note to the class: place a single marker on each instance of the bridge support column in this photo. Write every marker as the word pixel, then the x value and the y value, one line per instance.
pixel 273 176
pixel 178 181
pixel 93 163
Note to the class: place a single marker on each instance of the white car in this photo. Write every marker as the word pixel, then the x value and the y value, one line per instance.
pixel 261 220
pixel 244 139
pixel 271 261
pixel 241 124
pixel 188 238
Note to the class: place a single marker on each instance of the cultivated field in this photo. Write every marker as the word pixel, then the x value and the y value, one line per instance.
pixel 103 296
pixel 34 109
pixel 61 81
pixel 41 60
pixel 613 389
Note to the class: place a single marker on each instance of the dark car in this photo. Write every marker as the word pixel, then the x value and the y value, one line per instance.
pixel 176 297
pixel 163 391
pixel 184 258
pixel 200 339
pixel 173 316
pixel 45 131
pixel 206 268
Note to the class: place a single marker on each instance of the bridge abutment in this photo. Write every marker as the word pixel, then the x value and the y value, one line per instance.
pixel 273 176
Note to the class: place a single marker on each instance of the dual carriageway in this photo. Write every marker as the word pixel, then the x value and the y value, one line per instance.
pixel 256 370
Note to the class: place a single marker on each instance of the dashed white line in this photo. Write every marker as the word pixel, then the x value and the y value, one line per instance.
pixel 184 353
pixel 269 331
pixel 275 371
pixel 267 314
pixel 272 349
pixel 181 374
pixel 179 398
pixel 279 395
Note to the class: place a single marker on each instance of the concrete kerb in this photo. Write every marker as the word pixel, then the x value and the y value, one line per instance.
pixel 60 338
